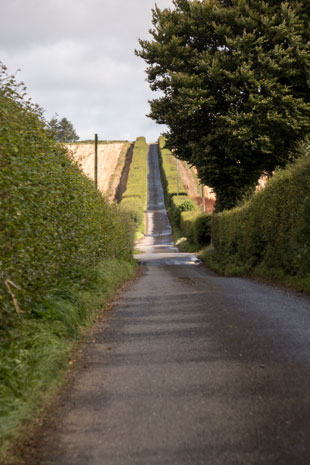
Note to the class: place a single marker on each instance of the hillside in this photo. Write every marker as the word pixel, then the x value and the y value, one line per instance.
pixel 109 155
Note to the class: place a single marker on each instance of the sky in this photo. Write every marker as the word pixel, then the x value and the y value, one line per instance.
pixel 76 58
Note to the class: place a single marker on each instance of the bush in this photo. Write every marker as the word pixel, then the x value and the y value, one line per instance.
pixel 134 208
pixel 178 205
pixel 202 229
pixel 196 227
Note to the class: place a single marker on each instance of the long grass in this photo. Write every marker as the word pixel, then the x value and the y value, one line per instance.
pixel 33 364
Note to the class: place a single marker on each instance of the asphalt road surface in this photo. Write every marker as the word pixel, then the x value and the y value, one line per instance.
pixel 189 368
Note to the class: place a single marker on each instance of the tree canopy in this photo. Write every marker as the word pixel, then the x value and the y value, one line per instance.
pixel 62 130
pixel 234 77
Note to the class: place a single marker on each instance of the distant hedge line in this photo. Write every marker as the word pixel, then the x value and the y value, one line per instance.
pixel 270 234
pixel 134 199
pixel 54 224
pixel 176 202
pixel 184 214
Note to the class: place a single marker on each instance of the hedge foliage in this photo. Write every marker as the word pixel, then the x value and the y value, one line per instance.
pixel 196 227
pixel 184 214
pixel 272 230
pixel 55 226
pixel 134 199
pixel 176 202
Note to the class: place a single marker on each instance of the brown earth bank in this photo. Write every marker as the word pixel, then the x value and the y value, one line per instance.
pixel 191 183
pixel 108 158
pixel 120 185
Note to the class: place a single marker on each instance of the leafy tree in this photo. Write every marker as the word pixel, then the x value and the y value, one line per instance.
pixel 235 82
pixel 62 130
pixel 53 127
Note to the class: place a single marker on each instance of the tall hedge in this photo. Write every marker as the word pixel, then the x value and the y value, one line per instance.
pixel 272 230
pixel 55 226
pixel 134 199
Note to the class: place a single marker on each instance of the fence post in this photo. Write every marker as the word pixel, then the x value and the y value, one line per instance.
pixel 96 161
pixel 203 199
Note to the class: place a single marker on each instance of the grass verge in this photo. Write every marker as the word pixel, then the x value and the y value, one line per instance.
pixel 33 364
pixel 273 276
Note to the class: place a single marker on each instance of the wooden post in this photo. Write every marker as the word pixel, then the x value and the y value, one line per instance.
pixel 203 199
pixel 96 161
pixel 177 169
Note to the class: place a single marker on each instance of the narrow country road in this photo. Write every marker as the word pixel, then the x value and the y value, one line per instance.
pixel 189 368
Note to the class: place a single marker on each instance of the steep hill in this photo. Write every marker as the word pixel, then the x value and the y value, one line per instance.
pixel 109 155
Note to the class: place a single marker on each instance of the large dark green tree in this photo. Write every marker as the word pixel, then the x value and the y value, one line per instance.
pixel 234 77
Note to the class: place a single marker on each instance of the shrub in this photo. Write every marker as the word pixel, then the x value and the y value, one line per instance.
pixel 134 208
pixel 196 227
pixel 178 205
pixel 202 229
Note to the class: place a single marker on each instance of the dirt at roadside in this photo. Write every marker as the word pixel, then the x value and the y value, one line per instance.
pixel 194 189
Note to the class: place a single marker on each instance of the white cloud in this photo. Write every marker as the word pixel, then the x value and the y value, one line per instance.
pixel 77 59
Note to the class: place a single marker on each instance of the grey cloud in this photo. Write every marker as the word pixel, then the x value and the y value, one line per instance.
pixel 77 59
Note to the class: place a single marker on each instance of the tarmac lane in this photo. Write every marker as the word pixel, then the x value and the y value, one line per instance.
pixel 188 368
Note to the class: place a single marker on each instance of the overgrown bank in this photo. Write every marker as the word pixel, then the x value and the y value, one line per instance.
pixel 270 235
pixel 63 253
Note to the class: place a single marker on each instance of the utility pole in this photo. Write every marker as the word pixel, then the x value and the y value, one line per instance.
pixel 96 161
pixel 203 199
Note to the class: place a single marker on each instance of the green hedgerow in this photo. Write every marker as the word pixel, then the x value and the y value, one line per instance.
pixel 134 199
pixel 272 230
pixel 54 224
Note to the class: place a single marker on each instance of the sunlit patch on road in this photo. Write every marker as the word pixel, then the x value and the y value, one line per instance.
pixel 172 258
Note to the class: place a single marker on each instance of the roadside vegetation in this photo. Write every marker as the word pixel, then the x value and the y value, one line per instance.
pixel 269 235
pixel 191 229
pixel 63 253
pixel 235 98
pixel 134 199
